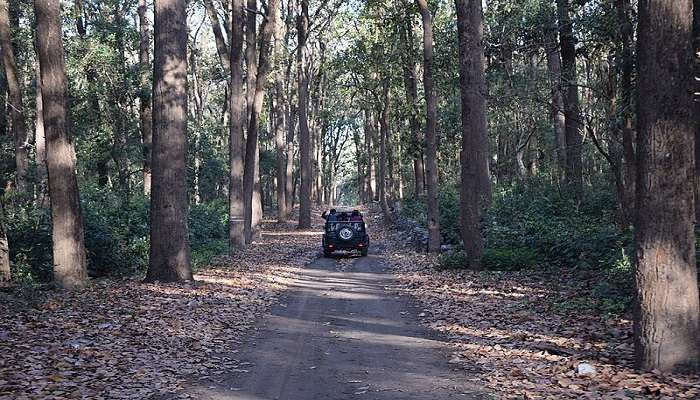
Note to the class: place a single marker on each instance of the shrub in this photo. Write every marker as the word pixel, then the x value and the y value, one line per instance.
pixel 453 260
pixel 510 259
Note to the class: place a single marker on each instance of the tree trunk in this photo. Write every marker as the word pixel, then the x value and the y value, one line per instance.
pixel 252 72
pixel 221 46
pixel 470 27
pixel 145 111
pixel 280 147
pixel 434 239
pixel 40 143
pixel 360 160
pixel 15 102
pixel 3 100
pixel 120 138
pixel 252 147
pixel 169 259
pixel 369 135
pixel 236 140
pixel 5 270
pixel 304 135
pixel 667 323
pixel 625 108
pixel 383 135
pixel 696 97
pixel 289 171
pixel 551 47
pixel 66 216
pixel 571 101
pixel 411 88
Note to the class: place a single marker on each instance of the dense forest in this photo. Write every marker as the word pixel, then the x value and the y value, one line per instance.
pixel 143 138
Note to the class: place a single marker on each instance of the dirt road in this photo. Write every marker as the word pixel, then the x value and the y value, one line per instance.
pixel 340 332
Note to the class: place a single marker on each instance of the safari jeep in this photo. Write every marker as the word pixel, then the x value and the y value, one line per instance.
pixel 345 235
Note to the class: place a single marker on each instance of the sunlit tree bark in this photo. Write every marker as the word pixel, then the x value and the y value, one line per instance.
pixel 169 259
pixel 667 323
pixel 69 265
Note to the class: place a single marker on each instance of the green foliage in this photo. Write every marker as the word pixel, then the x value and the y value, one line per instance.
pixel 548 222
pixel 208 225
pixel 116 236
pixel 453 260
pixel 510 258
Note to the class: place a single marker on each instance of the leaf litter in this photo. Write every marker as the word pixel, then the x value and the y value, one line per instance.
pixel 123 339
pixel 508 335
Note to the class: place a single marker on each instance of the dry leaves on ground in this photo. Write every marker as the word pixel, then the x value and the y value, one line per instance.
pixel 509 336
pixel 125 339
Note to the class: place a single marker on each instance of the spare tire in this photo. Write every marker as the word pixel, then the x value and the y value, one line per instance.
pixel 346 233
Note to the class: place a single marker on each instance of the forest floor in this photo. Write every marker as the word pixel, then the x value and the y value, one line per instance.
pixel 524 334
pixel 123 339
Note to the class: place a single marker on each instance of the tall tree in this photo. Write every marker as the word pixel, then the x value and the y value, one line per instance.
pixel 572 108
pixel 15 101
pixel 304 134
pixel 5 270
pixel 265 66
pixel 626 104
pixel 251 76
pixel 169 259
pixel 383 111
pixel 369 148
pixel 66 216
pixel 145 111
pixel 221 46
pixel 551 48
pixel 470 27
pixel 411 89
pixel 696 91
pixel 667 323
pixel 40 142
pixel 278 113
pixel 236 140
pixel 434 240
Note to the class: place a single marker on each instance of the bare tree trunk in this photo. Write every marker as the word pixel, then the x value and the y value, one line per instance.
pixel 360 158
pixel 434 239
pixel 236 140
pixel 572 108
pixel 470 26
pixel 383 135
pixel 696 98
pixel 221 46
pixel 411 88
pixel 371 174
pixel 551 47
pixel 145 111
pixel 266 49
pixel 289 171
pixel 251 76
pixel 66 216
pixel 304 135
pixel 280 144
pixel 40 143
pixel 3 100
pixel 169 259
pixel 667 323
pixel 5 270
pixel 15 102
pixel 626 109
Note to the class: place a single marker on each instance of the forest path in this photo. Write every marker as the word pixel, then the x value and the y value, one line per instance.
pixel 340 332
